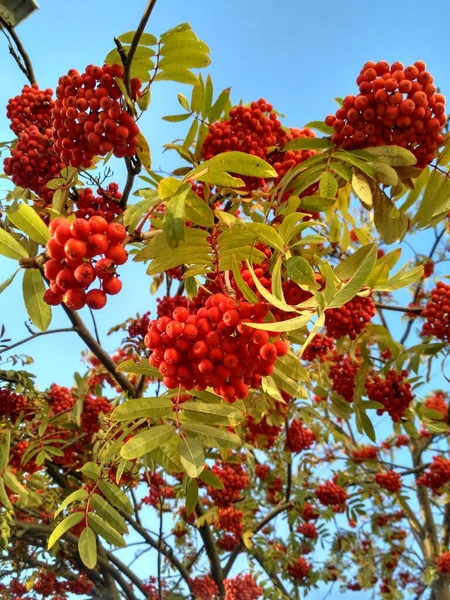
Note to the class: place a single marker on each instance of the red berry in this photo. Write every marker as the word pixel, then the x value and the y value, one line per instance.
pixel 96 299
pixel 112 286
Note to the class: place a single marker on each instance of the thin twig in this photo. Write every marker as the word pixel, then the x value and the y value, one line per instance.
pixel 35 335
pixel 94 322
pixel 29 72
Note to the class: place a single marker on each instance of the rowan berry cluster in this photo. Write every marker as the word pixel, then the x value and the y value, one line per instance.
pixel 242 587
pixel 349 319
pixel 298 437
pixel 443 563
pixel 390 481
pixel 309 512
pixel 32 107
pixel 89 117
pixel 262 471
pixel 71 270
pixel 332 494
pixel 234 480
pixel 159 490
pixel 396 105
pixel 342 373
pixel 167 304
pixel 230 519
pixel 437 476
pixel 318 348
pixel 214 346
pixel 204 588
pixel 437 313
pixel 261 433
pixel 309 530
pixel 391 391
pixel 227 542
pixel 93 407
pixel 105 204
pixel 359 455
pixel 12 404
pixel 60 398
pixel 300 569
pixel 438 403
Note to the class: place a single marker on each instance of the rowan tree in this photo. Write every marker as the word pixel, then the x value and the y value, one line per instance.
pixel 268 430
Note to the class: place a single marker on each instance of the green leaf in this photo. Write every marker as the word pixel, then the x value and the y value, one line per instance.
pixel 64 527
pixel 116 496
pixel 239 163
pixel 213 414
pixel 91 470
pixel 269 297
pixel 59 199
pixel 211 479
pixel 351 159
pixel 320 126
pixel 101 527
pixel 176 118
pixel 10 247
pixel 384 173
pixel 138 408
pixel 173 224
pixel 191 496
pixel 401 279
pixel 5 445
pixel 8 281
pixel 328 185
pixel 13 483
pixel 248 294
pixel 212 436
pixel 308 143
pixel 4 498
pixel 390 223
pixel 33 288
pixel 168 456
pixel 283 326
pixel 198 211
pixel 219 105
pixel 177 75
pixel 143 368
pixel 361 187
pixel 191 456
pixel 143 152
pixel 316 203
pixel 146 39
pixel 185 59
pixel 184 102
pixel 300 271
pixel 359 279
pixel 76 496
pixel 87 548
pixel 107 512
pixel 27 220
pixel 393 155
pixel 146 441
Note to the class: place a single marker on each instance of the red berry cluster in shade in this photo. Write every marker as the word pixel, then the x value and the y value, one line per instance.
pixel 349 319
pixel 159 490
pixel 261 433
pixel 332 494
pixel 395 106
pixel 298 437
pixel 390 481
pixel 443 563
pixel 342 373
pixel 234 480
pixel 138 327
pixel 105 204
pixel 93 407
pixel 32 107
pixel 262 471
pixel 230 519
pixel 437 313
pixel 359 455
pixel 300 569
pixel 204 588
pixel 214 346
pixel 167 304
pixel 391 391
pixel 60 398
pixel 71 270
pixel 12 404
pixel 309 512
pixel 242 587
pixel 318 348
pixel 309 530
pixel 89 117
pixel 438 403
pixel 437 475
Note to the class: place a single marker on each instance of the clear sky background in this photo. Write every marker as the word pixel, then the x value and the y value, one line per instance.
pixel 298 55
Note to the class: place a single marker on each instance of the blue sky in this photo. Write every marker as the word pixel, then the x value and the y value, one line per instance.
pixel 298 55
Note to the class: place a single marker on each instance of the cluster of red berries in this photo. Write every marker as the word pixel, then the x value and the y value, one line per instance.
pixel 318 348
pixel 437 313
pixel 153 589
pixel 89 117
pixel 204 588
pixel 105 204
pixel 359 455
pixel 230 519
pixel 32 107
pixel 332 494
pixel 60 399
pixel 298 437
pixel 167 304
pixel 437 476
pixel 234 480
pixel 443 563
pixel 242 587
pixel 261 433
pixel 349 319
pixel 214 346
pixel 93 407
pixel 12 404
pixel 72 247
pixel 159 490
pixel 262 471
pixel 438 403
pixel 391 391
pixel 309 530
pixel 396 105
pixel 390 481
pixel 299 569
pixel 342 373
pixel 227 542
pixel 138 327
pixel 309 512
pixel 256 130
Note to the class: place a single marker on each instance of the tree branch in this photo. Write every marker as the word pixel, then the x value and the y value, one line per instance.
pixel 35 335
pixel 211 551
pixel 26 67
pixel 270 572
